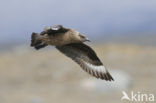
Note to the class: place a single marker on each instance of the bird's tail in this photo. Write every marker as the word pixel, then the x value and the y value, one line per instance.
pixel 37 42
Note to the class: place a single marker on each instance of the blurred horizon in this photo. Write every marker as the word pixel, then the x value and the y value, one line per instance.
pixel 122 34
pixel 97 19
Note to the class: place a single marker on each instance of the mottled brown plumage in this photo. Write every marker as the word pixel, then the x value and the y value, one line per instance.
pixel 70 43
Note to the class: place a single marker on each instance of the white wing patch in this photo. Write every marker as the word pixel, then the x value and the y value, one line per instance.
pixel 55 27
pixel 101 68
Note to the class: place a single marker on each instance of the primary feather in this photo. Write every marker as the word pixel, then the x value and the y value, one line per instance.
pixel 86 58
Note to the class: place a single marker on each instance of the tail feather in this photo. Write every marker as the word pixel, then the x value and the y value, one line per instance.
pixel 37 47
pixel 33 39
pixel 36 42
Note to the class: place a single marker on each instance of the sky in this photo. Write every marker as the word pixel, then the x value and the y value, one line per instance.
pixel 19 18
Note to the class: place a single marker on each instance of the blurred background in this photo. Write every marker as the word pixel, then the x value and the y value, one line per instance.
pixel 123 33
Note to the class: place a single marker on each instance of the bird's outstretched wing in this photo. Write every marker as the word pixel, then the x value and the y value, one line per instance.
pixel 54 30
pixel 87 59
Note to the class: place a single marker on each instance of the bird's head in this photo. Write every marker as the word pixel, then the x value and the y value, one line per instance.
pixel 83 38
pixel 77 36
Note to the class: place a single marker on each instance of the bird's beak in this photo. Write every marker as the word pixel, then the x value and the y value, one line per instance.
pixel 88 40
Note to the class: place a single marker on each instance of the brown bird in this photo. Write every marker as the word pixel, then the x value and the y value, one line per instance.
pixel 71 43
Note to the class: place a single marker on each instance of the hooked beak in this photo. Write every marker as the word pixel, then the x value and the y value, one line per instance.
pixel 88 40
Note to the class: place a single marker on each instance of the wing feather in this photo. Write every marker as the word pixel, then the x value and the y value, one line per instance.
pixel 54 30
pixel 87 59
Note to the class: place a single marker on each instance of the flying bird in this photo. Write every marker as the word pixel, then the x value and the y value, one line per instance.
pixel 71 43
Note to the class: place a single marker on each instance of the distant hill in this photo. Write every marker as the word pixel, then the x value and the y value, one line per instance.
pixel 138 39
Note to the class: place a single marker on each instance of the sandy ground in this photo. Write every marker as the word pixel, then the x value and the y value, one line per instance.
pixel 47 76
